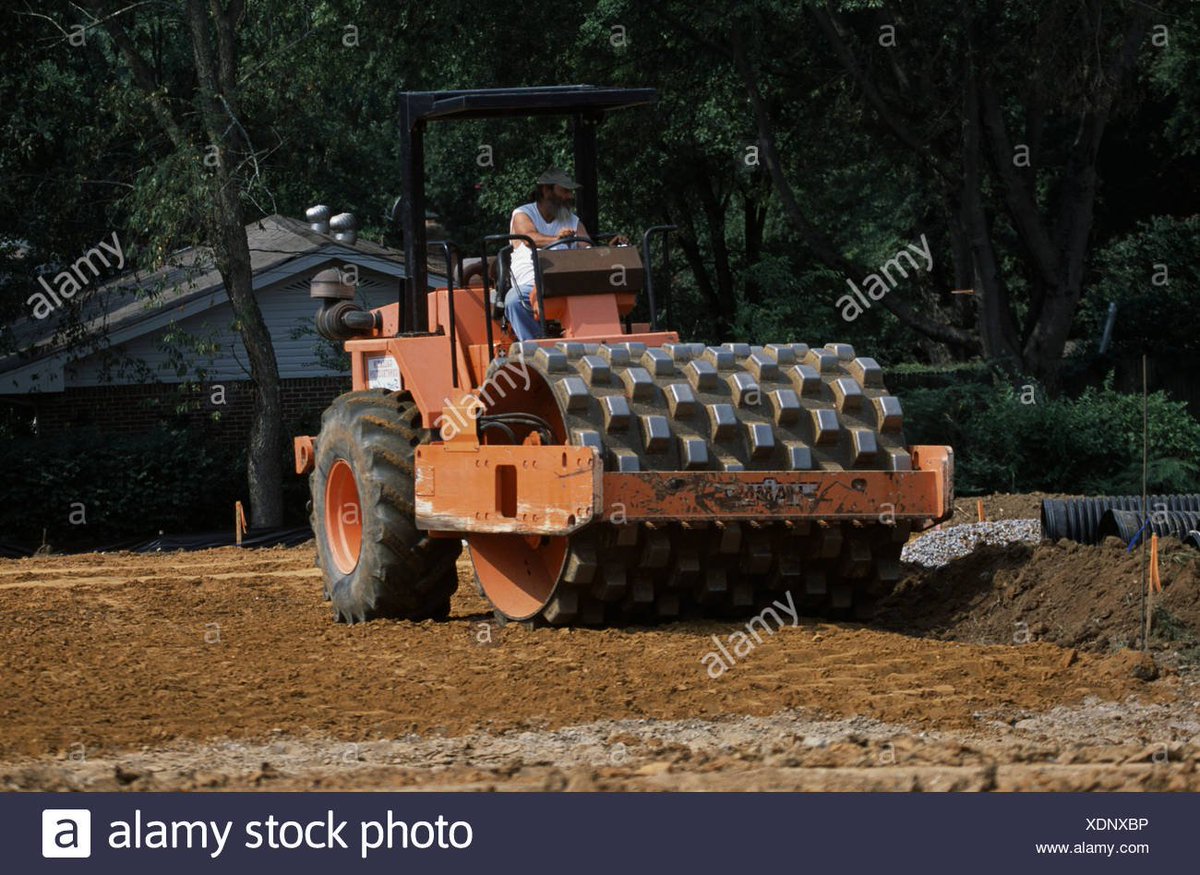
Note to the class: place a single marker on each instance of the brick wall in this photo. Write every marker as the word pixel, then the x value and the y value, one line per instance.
pixel 222 410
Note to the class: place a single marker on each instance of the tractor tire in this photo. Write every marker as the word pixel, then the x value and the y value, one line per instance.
pixel 375 561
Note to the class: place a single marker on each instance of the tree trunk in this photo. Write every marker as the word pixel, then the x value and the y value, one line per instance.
pixel 997 330
pixel 689 244
pixel 714 215
pixel 264 460
pixel 754 221
pixel 217 79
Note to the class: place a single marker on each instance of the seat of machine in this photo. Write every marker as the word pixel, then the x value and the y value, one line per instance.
pixel 470 271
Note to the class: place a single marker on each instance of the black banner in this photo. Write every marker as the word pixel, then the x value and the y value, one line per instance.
pixel 602 832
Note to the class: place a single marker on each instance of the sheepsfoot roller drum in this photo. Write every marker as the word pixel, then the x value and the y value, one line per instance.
pixel 612 483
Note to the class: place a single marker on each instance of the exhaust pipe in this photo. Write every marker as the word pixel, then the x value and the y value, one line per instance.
pixel 340 318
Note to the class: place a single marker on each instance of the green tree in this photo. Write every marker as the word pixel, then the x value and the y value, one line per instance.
pixel 1003 124
pixel 213 166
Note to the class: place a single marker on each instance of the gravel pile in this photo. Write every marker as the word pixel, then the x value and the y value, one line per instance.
pixel 936 548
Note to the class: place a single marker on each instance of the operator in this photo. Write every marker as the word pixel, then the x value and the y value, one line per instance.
pixel 547 219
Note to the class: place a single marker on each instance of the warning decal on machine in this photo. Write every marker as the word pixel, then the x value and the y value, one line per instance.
pixel 383 373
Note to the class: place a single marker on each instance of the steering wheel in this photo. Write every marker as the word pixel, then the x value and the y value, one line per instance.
pixel 562 241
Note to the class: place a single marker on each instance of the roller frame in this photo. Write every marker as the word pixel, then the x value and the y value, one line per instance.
pixel 556 490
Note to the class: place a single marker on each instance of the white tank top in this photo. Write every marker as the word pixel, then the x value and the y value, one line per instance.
pixel 522 258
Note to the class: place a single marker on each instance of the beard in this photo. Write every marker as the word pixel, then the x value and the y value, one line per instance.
pixel 561 206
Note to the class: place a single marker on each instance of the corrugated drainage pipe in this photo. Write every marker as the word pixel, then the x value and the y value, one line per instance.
pixel 1078 519
pixel 1125 524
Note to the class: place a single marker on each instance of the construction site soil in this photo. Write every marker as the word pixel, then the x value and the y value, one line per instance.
pixel 1008 669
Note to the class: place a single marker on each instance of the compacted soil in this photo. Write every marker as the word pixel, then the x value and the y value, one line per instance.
pixel 1008 669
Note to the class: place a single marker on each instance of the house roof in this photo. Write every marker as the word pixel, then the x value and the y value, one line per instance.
pixel 136 303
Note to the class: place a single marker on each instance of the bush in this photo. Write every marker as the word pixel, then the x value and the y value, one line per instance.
pixel 1153 275
pixel 1091 444
pixel 120 486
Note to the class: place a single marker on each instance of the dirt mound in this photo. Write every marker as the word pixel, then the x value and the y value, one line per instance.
pixel 1001 506
pixel 1072 595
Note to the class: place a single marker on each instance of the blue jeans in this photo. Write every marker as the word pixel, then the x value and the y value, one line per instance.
pixel 519 312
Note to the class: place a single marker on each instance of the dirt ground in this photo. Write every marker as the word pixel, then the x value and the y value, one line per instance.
pixel 222 670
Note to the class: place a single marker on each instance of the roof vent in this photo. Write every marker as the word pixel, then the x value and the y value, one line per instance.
pixel 345 228
pixel 318 218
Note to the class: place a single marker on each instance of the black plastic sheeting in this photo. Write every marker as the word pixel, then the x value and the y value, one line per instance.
pixel 1078 519
pixel 1128 524
pixel 171 543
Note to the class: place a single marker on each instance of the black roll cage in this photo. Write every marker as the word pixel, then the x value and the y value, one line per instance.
pixel 586 105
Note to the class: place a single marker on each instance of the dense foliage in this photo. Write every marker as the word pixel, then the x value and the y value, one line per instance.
pixel 1152 274
pixel 85 487
pixel 1047 153
pixel 865 106
pixel 1015 439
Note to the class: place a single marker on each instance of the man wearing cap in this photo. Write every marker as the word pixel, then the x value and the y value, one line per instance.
pixel 546 220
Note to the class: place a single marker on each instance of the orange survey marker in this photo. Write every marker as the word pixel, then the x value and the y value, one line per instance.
pixel 1155 579
pixel 979 507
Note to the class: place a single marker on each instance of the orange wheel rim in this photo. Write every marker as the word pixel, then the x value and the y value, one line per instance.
pixel 343 517
pixel 518 574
